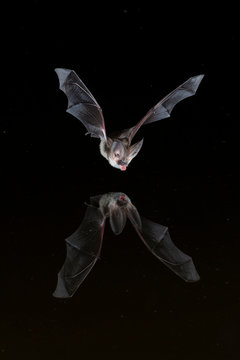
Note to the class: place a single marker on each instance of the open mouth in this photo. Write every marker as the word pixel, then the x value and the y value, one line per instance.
pixel 123 168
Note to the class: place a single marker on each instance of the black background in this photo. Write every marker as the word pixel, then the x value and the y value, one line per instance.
pixel 186 177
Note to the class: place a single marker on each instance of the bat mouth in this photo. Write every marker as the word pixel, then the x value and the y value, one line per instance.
pixel 122 201
pixel 123 168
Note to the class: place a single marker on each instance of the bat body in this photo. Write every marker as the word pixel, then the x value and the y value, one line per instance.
pixel 117 149
pixel 84 245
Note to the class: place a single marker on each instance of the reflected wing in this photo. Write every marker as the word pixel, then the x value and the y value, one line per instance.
pixel 83 250
pixel 157 239
pixel 165 106
pixel 81 102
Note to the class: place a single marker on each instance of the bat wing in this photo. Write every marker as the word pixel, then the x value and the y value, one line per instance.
pixel 83 250
pixel 81 102
pixel 157 239
pixel 165 106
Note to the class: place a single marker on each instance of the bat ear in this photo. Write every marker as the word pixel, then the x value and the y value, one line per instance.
pixel 117 219
pixel 134 150
pixel 134 217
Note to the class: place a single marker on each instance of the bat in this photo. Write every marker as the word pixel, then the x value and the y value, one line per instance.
pixel 84 245
pixel 117 148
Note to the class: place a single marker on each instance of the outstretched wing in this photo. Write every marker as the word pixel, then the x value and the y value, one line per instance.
pixel 81 102
pixel 165 106
pixel 83 250
pixel 157 239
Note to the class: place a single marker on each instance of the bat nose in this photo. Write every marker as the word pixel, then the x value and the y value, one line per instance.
pixel 122 163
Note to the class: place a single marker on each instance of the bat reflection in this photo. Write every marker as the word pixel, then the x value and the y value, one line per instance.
pixel 84 245
pixel 117 148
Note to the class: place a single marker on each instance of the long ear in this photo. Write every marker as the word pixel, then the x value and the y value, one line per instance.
pixel 117 218
pixel 134 150
pixel 134 217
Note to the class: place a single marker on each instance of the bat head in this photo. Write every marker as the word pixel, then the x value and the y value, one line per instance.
pixel 121 208
pixel 118 207
pixel 121 155
pixel 118 155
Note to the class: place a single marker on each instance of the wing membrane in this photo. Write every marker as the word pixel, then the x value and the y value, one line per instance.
pixel 81 103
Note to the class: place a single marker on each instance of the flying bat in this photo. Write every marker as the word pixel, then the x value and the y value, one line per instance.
pixel 84 245
pixel 117 148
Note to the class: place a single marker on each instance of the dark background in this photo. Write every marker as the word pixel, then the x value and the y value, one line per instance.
pixel 186 177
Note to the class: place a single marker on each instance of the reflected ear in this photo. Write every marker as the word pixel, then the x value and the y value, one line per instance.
pixel 134 150
pixel 134 217
pixel 117 218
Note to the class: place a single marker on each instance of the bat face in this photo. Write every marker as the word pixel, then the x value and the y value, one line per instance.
pixel 115 152
pixel 118 207
pixel 113 201
pixel 120 154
